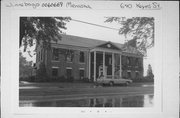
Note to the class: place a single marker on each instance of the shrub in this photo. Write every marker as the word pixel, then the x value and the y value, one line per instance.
pixel 32 78
pixel 70 79
pixel 91 79
pixel 61 79
pixel 85 79
pixel 53 79
pixel 28 79
pixel 143 79
pixel 24 79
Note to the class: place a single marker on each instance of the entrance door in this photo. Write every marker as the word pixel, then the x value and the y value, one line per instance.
pixel 108 63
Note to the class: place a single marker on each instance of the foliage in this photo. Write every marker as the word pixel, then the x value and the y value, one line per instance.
pixel 140 31
pixel 41 74
pixel 85 80
pixel 25 67
pixel 143 79
pixel 40 29
pixel 70 79
pixel 62 79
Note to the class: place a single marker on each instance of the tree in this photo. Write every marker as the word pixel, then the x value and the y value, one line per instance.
pixel 25 67
pixel 42 29
pixel 139 31
pixel 41 74
pixel 150 72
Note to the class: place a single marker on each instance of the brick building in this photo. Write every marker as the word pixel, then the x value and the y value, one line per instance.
pixel 80 58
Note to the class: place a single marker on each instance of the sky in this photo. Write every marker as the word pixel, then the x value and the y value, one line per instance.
pixel 90 31
pixel 95 32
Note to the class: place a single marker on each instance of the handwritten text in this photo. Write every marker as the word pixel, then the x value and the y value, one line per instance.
pixel 142 6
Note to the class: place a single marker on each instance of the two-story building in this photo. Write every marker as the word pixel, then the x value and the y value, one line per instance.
pixel 80 57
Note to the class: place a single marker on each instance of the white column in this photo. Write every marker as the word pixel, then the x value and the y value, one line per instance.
pixel 89 66
pixel 94 66
pixel 113 69
pixel 104 68
pixel 120 67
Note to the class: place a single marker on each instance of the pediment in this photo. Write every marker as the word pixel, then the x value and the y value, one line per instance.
pixel 108 45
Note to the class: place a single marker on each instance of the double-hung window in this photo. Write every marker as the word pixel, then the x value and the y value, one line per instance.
pixel 55 54
pixel 81 57
pixel 69 55
pixel 55 71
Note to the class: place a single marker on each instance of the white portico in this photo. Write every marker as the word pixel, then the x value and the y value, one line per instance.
pixel 105 60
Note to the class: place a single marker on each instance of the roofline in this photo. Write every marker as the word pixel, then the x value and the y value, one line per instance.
pixel 91 39
pixel 81 37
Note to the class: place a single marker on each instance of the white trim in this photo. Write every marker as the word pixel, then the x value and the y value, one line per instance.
pixel 104 67
pixel 113 65
pixel 68 67
pixel 81 69
pixel 54 67
pixel 94 66
pixel 120 65
pixel 107 42
pixel 106 50
pixel 89 59
pixel 128 70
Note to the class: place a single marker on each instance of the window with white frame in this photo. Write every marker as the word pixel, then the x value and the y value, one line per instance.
pixel 55 71
pixel 69 55
pixel 55 54
pixel 81 57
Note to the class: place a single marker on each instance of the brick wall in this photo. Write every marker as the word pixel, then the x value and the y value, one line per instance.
pixel 132 67
pixel 63 64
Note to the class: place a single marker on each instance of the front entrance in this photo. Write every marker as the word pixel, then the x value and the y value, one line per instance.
pixel 108 63
pixel 104 63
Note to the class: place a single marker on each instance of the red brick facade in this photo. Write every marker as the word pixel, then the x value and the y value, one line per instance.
pixel 63 59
